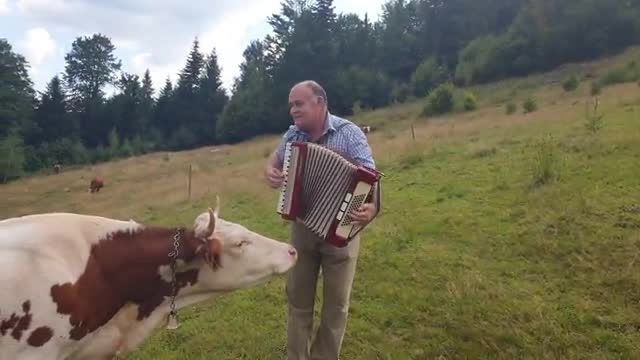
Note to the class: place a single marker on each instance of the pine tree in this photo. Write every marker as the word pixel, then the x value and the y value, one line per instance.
pixel 283 25
pixel 189 78
pixel 324 14
pixel 17 96
pixel 52 118
pixel 127 107
pixel 146 110
pixel 147 87
pixel 163 117
pixel 213 98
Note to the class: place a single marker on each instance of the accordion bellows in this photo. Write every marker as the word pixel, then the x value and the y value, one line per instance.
pixel 321 188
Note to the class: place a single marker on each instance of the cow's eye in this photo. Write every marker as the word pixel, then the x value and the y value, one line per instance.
pixel 243 243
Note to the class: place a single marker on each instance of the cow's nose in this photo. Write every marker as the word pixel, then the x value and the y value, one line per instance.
pixel 293 252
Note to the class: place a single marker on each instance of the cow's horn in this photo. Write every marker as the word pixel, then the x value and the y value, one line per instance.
pixel 217 210
pixel 212 222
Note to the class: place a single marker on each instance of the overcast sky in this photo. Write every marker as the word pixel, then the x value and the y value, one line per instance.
pixel 147 34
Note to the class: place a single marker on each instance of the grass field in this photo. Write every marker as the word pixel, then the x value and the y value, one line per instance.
pixel 501 236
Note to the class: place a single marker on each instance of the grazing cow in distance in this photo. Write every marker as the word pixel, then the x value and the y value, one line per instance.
pixel 81 286
pixel 366 129
pixel 96 184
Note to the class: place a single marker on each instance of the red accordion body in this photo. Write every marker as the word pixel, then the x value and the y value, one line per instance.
pixel 321 188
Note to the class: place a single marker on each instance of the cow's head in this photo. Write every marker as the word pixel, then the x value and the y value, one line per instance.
pixel 236 257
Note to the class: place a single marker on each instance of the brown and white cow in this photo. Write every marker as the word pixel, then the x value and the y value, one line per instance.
pixel 79 286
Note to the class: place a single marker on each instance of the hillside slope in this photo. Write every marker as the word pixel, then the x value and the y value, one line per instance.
pixel 501 235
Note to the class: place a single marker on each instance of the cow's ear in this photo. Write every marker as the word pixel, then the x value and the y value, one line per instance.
pixel 212 252
pixel 205 224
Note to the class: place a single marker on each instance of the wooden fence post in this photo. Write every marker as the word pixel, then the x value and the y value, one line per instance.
pixel 190 169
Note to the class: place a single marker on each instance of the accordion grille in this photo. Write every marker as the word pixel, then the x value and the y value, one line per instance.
pixel 327 179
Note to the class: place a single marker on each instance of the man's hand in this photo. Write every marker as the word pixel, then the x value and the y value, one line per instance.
pixel 363 214
pixel 274 177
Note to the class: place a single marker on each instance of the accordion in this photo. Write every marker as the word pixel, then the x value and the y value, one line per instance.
pixel 321 188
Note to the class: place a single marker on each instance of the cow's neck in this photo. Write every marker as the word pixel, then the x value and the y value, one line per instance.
pixel 141 253
pixel 125 267
pixel 155 247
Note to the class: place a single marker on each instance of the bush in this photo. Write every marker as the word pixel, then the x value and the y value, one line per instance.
pixel 529 105
pixel 546 167
pixel 510 108
pixel 80 153
pixel 400 93
pixel 427 76
pixel 64 151
pixel 596 88
pixel 100 154
pixel 594 121
pixel 633 70
pixel 470 101
pixel 440 101
pixel 126 149
pixel 370 86
pixel 614 76
pixel 357 107
pixel 620 75
pixel 570 83
pixel 13 157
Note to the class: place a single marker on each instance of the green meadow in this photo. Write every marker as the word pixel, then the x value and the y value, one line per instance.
pixel 503 234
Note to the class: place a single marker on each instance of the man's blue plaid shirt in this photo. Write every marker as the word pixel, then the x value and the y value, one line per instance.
pixel 341 135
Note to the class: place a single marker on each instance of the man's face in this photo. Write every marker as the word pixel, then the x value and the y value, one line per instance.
pixel 305 108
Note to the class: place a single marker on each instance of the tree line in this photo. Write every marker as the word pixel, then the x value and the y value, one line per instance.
pixel 412 48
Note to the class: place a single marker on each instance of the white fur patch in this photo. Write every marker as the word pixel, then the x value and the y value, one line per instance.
pixel 165 270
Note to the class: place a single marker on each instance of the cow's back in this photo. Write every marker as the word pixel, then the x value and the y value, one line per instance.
pixel 37 252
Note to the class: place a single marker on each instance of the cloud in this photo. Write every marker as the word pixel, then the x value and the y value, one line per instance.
pixel 157 35
pixel 140 62
pixel 230 36
pixel 4 7
pixel 38 46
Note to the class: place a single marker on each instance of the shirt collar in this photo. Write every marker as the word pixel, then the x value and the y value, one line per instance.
pixel 329 126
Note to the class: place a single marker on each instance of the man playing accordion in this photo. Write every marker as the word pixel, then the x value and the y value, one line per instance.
pixel 313 123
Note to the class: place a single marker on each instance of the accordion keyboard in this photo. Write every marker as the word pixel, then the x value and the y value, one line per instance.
pixel 289 162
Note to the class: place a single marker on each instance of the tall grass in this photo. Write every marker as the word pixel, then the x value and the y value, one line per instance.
pixel 547 161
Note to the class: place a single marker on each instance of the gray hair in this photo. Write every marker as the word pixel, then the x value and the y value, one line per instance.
pixel 316 89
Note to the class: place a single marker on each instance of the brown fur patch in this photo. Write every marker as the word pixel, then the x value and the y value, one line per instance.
pixel 40 336
pixel 122 268
pixel 18 324
pixel 212 256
